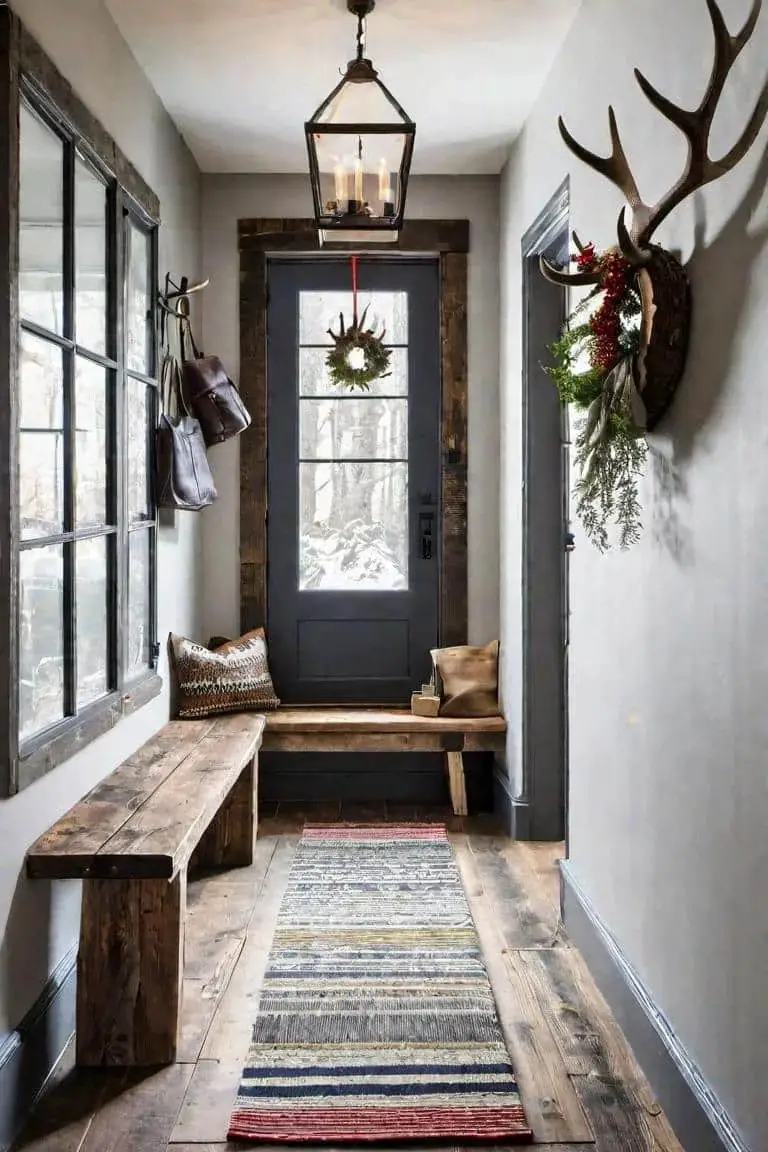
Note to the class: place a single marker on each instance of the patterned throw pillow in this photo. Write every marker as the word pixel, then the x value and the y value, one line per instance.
pixel 233 678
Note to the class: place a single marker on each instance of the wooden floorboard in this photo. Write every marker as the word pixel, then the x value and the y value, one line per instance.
pixel 578 1078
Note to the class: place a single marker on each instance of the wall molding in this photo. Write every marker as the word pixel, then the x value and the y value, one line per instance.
pixel 30 1053
pixel 700 1121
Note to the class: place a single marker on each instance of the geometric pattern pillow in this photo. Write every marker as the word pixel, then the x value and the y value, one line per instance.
pixel 233 678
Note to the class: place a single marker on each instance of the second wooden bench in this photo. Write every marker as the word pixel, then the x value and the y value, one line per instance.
pixel 312 729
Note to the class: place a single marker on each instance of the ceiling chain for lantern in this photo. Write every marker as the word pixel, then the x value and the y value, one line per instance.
pixel 360 145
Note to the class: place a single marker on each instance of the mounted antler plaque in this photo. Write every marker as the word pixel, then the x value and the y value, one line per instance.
pixel 639 364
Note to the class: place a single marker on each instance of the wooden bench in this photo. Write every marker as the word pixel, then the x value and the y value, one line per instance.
pixel 187 797
pixel 311 729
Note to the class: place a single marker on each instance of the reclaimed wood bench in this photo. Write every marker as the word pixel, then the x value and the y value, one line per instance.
pixel 312 729
pixel 187 797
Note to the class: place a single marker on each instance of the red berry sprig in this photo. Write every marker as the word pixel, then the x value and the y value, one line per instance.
pixel 615 275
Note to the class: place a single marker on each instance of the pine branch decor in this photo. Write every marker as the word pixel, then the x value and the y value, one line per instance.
pixel 594 371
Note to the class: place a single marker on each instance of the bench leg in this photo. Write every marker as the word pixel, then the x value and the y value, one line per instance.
pixel 456 782
pixel 228 841
pixel 129 971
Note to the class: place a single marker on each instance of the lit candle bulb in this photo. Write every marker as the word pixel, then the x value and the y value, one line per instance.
pixel 383 180
pixel 340 183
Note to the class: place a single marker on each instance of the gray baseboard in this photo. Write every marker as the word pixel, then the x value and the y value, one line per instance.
pixel 697 1116
pixel 512 810
pixel 29 1054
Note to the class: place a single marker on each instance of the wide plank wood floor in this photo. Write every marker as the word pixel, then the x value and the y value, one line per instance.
pixel 580 1083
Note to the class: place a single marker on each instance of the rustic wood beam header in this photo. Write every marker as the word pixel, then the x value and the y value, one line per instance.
pixel 300 235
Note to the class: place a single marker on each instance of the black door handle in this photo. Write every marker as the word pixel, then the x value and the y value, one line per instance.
pixel 426 520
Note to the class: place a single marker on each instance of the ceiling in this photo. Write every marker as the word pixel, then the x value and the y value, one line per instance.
pixel 240 77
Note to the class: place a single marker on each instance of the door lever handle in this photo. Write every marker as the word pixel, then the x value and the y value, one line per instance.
pixel 426 520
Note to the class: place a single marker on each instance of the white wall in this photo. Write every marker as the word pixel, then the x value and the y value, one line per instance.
pixel 39 921
pixel 229 198
pixel 669 657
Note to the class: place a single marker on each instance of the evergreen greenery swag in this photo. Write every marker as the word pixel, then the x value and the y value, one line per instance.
pixel 375 358
pixel 593 371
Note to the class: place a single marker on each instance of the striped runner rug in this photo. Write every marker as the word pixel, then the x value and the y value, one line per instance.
pixel 376 1021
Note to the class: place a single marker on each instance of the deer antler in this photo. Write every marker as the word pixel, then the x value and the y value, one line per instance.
pixel 561 276
pixel 700 169
pixel 614 167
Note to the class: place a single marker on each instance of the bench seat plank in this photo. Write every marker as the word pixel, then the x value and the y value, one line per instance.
pixel 74 847
pixel 158 839
pixel 394 720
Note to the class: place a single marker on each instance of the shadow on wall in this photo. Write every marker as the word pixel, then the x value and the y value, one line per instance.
pixel 721 277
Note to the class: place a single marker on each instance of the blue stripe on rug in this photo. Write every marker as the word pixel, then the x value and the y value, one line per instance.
pixel 256 1073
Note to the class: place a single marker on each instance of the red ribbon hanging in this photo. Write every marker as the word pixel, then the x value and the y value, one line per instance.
pixel 353 260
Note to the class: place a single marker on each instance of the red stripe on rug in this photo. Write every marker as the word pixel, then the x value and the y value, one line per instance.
pixel 368 1125
pixel 375 831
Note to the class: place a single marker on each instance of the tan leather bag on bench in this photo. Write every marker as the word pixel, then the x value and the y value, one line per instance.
pixel 467 680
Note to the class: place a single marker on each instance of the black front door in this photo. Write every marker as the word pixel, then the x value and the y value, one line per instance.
pixel 354 482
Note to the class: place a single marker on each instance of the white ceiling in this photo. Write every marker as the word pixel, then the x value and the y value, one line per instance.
pixel 240 77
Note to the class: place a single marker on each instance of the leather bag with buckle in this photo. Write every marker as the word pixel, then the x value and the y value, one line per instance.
pixel 210 394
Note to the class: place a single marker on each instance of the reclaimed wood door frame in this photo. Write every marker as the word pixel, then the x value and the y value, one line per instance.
pixel 448 242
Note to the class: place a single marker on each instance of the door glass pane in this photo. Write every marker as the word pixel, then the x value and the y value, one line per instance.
pixel 41 227
pixel 41 439
pixel 314 379
pixel 91 382
pixel 90 259
pixel 41 639
pixel 319 311
pixel 353 526
pixel 138 298
pixel 91 588
pixel 137 641
pixel 351 429
pixel 136 425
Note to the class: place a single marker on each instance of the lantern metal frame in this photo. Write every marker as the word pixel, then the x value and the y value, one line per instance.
pixel 359 71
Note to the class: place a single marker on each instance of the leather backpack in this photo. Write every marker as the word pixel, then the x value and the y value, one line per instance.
pixel 210 394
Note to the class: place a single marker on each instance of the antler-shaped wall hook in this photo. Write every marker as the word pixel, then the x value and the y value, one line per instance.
pixel 661 280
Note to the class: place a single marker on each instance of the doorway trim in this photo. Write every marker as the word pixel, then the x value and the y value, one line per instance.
pixel 448 240
pixel 543 802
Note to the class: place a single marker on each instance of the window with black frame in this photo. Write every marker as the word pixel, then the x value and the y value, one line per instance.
pixel 87 401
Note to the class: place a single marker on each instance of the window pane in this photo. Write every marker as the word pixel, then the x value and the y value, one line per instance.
pixel 91 382
pixel 138 300
pixel 353 526
pixel 41 639
pixel 319 311
pixel 91 590
pixel 137 430
pixel 41 228
pixel 356 429
pixel 41 439
pixel 137 643
pixel 314 379
pixel 90 259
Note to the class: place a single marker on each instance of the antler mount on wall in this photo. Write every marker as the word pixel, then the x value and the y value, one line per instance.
pixel 661 281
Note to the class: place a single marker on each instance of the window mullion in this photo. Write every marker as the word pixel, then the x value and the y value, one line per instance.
pixel 119 575
pixel 70 446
